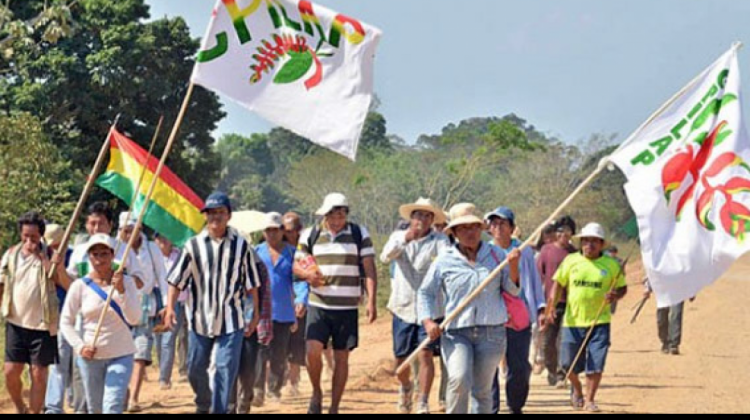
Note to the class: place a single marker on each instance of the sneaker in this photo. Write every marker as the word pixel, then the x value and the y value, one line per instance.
pixel 674 351
pixel 552 379
pixel 405 398
pixel 665 349
pixel 423 407
pixel 164 386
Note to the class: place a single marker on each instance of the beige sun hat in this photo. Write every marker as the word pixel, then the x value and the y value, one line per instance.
pixel 424 204
pixel 53 235
pixel 331 202
pixel 464 214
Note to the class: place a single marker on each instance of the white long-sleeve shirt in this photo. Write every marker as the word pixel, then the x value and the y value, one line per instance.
pixel 116 339
pixel 410 263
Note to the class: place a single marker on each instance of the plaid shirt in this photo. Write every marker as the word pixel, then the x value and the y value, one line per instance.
pixel 265 328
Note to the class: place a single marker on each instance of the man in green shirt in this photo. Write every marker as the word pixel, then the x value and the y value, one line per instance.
pixel 593 282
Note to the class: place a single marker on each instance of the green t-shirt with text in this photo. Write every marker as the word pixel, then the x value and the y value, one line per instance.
pixel 587 283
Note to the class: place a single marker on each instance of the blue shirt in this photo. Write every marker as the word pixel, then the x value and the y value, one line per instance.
pixel 532 290
pixel 282 282
pixel 457 278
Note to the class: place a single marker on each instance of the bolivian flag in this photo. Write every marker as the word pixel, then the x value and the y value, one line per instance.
pixel 174 210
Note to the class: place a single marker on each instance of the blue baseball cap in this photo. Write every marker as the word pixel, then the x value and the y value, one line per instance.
pixel 217 200
pixel 502 213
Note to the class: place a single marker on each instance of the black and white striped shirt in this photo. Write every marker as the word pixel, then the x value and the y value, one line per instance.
pixel 217 276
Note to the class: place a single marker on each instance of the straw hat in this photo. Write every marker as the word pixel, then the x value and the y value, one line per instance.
pixel 464 214
pixel 53 235
pixel 424 204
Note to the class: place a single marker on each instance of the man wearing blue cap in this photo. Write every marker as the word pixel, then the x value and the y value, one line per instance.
pixel 218 270
pixel 502 223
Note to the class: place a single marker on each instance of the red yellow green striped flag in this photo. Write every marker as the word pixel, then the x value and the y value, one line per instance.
pixel 174 210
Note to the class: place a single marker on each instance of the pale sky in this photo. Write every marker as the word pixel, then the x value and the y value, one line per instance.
pixel 570 67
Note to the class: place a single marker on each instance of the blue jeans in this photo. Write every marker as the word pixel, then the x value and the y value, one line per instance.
pixel 518 382
pixel 472 356
pixel 106 383
pixel 228 355
pixel 166 346
pixel 59 384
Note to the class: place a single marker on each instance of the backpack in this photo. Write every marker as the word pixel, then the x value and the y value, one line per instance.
pixel 356 233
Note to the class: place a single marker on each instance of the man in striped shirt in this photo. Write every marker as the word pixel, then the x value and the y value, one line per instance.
pixel 344 254
pixel 218 270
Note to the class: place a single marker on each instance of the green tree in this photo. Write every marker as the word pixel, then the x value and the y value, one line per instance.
pixel 33 176
pixel 113 63
pixel 246 166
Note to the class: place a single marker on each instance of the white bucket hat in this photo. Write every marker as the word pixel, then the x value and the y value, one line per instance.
pixel 424 204
pixel 100 239
pixel 464 214
pixel 593 230
pixel 331 202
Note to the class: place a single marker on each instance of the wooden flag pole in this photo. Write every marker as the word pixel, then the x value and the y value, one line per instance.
pixel 82 201
pixel 147 200
pixel 137 190
pixel 531 240
pixel 478 291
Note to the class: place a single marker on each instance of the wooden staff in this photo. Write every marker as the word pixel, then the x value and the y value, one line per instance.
pixel 82 201
pixel 143 174
pixel 588 181
pixel 136 231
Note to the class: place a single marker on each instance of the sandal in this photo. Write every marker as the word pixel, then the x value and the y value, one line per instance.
pixel 577 402
pixel 593 408
pixel 315 408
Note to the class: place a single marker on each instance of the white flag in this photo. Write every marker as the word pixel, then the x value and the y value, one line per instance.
pixel 689 185
pixel 299 65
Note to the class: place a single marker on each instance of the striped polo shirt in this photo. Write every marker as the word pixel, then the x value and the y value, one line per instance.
pixel 339 260
pixel 217 276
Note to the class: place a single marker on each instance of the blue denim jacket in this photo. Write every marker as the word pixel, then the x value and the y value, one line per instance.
pixel 452 274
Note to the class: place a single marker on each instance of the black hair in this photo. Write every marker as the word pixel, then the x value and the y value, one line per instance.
pixel 32 219
pixel 103 209
pixel 566 221
pixel 550 229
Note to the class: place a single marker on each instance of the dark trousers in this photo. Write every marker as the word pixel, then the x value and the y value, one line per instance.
pixel 518 381
pixel 551 344
pixel 277 356
pixel 670 326
pixel 242 395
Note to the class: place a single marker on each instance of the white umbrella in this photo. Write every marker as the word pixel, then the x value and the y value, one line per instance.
pixel 248 222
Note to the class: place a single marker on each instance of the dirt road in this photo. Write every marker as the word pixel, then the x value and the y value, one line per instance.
pixel 710 376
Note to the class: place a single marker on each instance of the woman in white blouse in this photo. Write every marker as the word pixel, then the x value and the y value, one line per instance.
pixel 106 368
